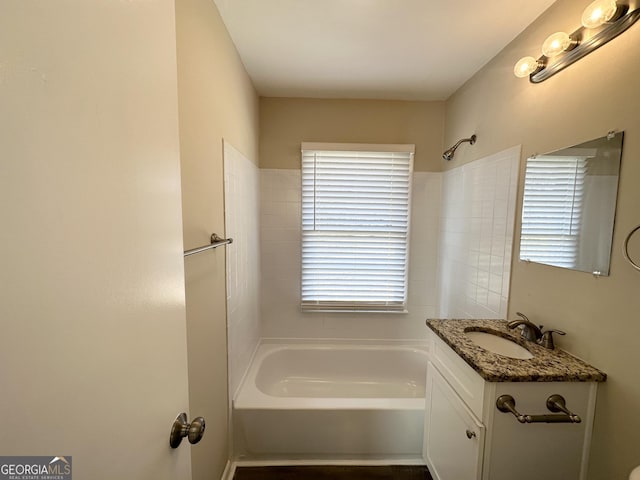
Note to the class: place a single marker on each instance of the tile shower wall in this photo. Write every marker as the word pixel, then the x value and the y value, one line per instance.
pixel 242 221
pixel 280 265
pixel 479 201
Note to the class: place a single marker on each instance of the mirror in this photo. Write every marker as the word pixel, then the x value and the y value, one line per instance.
pixel 569 205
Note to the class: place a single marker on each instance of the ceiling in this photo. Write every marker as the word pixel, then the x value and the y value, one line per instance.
pixel 387 49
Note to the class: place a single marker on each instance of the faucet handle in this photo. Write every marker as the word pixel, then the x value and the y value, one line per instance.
pixel 547 338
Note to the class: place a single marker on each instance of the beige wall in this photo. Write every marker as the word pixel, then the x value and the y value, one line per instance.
pixel 600 315
pixel 286 122
pixel 216 101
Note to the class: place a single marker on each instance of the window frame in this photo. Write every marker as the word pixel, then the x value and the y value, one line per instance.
pixel 373 305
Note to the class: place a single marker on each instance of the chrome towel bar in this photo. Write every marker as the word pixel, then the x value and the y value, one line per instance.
pixel 555 403
pixel 216 241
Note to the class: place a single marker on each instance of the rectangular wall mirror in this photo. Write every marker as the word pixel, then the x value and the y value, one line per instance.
pixel 569 205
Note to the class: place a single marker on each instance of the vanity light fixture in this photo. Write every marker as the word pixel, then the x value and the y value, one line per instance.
pixel 602 21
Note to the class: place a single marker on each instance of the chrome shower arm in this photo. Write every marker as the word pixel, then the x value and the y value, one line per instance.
pixel 448 154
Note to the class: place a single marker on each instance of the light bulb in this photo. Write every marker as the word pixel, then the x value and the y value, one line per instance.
pixel 525 66
pixel 556 43
pixel 598 12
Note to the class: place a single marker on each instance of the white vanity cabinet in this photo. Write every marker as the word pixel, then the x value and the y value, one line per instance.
pixel 468 438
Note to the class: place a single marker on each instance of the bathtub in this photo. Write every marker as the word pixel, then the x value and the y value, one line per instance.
pixel 332 401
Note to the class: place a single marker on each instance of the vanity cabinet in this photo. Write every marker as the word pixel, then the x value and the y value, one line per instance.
pixel 468 438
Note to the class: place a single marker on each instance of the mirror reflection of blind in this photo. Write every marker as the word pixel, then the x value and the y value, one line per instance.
pixel 552 210
pixel 355 226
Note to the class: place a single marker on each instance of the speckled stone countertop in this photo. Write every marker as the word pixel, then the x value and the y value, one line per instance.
pixel 545 366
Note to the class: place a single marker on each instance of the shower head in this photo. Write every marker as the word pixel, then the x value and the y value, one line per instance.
pixel 448 155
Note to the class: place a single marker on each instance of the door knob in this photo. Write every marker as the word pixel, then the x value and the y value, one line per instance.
pixel 181 428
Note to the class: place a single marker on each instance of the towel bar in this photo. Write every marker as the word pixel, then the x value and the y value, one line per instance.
pixel 216 241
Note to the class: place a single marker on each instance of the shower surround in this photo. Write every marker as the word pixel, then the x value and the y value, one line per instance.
pixel 461 237
pixel 461 240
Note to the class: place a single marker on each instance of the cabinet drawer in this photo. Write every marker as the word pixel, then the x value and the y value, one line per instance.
pixel 464 380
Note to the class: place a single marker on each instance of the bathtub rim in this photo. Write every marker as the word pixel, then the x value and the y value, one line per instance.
pixel 250 397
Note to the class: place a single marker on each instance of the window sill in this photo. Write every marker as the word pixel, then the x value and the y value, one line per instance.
pixel 347 310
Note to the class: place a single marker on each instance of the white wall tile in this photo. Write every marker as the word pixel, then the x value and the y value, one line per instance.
pixel 478 216
pixel 280 266
pixel 242 223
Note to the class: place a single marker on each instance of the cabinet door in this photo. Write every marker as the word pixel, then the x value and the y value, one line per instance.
pixel 453 437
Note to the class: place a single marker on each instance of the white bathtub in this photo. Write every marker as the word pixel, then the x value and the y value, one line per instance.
pixel 338 401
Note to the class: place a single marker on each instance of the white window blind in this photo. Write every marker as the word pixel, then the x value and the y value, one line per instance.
pixel 355 226
pixel 552 210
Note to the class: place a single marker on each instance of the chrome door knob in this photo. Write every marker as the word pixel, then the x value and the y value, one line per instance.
pixel 194 431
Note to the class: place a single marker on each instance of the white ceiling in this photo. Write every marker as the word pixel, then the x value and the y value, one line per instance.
pixel 391 49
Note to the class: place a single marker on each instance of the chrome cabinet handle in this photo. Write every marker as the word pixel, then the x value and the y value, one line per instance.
pixel 471 434
pixel 194 431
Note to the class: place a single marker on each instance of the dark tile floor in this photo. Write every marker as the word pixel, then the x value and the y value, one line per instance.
pixel 399 472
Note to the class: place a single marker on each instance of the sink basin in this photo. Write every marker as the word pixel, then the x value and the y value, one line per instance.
pixel 500 345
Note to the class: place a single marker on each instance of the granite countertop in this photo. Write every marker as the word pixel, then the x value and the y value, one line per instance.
pixel 545 366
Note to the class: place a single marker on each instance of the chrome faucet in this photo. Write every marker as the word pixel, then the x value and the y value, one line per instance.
pixel 533 333
pixel 529 330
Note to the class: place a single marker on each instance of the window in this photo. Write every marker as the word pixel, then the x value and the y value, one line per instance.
pixel 552 210
pixel 355 226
